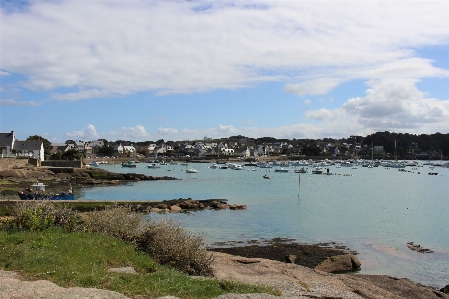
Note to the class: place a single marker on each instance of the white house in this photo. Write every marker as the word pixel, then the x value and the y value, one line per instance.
pixel 263 150
pixel 243 152
pixel 129 149
pixel 30 148
pixel 118 148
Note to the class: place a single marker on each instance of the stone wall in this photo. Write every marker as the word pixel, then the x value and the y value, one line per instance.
pixel 62 163
pixel 10 163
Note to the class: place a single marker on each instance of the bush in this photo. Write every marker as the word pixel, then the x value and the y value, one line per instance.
pixel 168 243
pixel 165 241
pixel 117 222
pixel 39 215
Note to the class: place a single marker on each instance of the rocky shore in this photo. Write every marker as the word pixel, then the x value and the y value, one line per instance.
pixel 21 177
pixel 297 270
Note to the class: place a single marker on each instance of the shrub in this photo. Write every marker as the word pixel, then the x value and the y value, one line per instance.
pixel 39 215
pixel 118 222
pixel 169 243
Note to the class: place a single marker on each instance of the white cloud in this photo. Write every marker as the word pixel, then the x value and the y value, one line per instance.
pixel 88 133
pixel 82 95
pixel 388 105
pixel 313 87
pixel 12 102
pixel 167 131
pixel 104 48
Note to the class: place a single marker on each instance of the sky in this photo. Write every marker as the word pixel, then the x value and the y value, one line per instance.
pixel 184 70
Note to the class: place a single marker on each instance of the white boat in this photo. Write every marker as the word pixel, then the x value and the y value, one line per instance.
pixel 317 170
pixel 94 164
pixel 214 166
pixel 281 170
pixel 153 165
pixel 191 170
pixel 238 167
pixel 264 165
pixel 266 177
pixel 301 170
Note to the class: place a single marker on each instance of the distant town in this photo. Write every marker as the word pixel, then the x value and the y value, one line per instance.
pixel 380 145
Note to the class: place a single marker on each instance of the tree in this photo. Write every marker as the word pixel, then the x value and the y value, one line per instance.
pixel 47 144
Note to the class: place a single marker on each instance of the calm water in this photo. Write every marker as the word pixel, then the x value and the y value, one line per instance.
pixel 373 211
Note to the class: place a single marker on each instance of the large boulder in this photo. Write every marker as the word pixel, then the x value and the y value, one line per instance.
pixel 340 263
pixel 191 204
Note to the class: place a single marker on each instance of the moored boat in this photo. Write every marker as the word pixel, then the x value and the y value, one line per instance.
pixel 153 165
pixel 317 170
pixel 129 164
pixel 301 170
pixel 191 170
pixel 37 191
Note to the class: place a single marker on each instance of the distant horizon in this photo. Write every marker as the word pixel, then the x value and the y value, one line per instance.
pixel 181 70
pixel 230 137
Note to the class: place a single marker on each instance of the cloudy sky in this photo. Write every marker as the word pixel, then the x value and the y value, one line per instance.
pixel 178 70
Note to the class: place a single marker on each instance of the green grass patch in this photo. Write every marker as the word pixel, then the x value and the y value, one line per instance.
pixel 83 259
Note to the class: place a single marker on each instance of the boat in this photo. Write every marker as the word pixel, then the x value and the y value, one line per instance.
pixel 317 170
pixel 266 177
pixel 238 167
pixel 94 164
pixel 153 165
pixel 250 164
pixel 281 170
pixel 184 164
pixel 129 164
pixel 264 165
pixel 301 170
pixel 191 170
pixel 37 191
pixel 214 166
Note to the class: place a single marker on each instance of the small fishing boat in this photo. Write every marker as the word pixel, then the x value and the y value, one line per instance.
pixel 281 170
pixel 301 170
pixel 129 164
pixel 317 170
pixel 191 170
pixel 153 165
pixel 266 177
pixel 37 191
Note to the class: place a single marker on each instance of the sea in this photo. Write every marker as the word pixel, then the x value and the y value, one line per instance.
pixel 373 211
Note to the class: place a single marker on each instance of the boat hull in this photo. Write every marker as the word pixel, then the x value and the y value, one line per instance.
pixel 62 196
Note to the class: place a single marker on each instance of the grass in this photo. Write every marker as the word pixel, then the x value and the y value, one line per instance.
pixel 44 240
pixel 83 259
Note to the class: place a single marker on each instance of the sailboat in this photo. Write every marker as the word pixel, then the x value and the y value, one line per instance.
pixel 441 160
pixel 396 164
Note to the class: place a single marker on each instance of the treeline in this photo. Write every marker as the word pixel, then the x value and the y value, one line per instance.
pixel 433 144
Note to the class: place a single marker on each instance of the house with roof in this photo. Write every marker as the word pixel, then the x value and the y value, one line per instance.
pixel 6 144
pixel 10 147
pixel 30 148
pixel 243 152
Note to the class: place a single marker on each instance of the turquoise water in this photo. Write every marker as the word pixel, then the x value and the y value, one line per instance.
pixel 374 211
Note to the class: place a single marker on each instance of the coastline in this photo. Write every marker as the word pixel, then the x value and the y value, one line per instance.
pixel 60 178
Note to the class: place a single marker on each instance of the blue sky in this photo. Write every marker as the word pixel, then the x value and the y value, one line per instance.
pixel 184 70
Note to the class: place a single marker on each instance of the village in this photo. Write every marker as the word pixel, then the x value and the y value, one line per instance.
pixel 234 147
